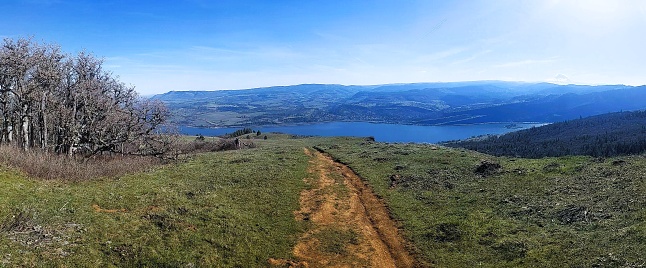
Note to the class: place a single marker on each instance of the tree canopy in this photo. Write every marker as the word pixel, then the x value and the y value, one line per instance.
pixel 69 104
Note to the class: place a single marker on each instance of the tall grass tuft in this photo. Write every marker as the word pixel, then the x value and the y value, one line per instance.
pixel 44 165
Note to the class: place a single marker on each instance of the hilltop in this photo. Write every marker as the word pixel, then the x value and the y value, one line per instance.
pixel 276 204
pixel 417 104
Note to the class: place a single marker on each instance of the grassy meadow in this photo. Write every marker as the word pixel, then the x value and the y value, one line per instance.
pixel 224 209
pixel 236 208
pixel 464 209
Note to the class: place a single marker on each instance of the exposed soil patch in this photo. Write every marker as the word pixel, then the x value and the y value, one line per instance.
pixel 350 226
pixel 97 208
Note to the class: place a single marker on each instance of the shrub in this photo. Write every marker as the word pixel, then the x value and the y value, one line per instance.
pixel 44 165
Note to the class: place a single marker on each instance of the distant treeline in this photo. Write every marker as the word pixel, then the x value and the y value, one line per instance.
pixel 621 133
pixel 241 132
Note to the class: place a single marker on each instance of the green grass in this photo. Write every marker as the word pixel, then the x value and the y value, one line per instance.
pixel 227 209
pixel 235 209
pixel 568 211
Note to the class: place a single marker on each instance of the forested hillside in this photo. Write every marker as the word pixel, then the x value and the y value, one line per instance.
pixel 605 135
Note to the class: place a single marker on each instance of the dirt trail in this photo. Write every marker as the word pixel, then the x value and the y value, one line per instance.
pixel 350 226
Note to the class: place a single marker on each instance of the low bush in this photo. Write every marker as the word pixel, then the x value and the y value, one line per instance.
pixel 44 165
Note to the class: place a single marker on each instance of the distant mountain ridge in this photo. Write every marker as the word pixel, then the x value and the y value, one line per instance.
pixel 416 103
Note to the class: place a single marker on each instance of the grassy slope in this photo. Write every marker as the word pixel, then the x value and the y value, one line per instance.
pixel 569 211
pixel 224 209
pixel 236 209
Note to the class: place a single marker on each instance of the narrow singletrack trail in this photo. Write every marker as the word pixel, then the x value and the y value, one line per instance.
pixel 348 225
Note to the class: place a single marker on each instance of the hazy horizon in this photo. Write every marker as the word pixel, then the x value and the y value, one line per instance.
pixel 377 85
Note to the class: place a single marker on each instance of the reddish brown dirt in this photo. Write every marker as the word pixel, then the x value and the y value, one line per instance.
pixel 340 202
pixel 97 208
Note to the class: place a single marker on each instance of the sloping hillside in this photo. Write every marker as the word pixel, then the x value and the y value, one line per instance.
pixel 603 135
pixel 282 204
pixel 225 209
pixel 465 209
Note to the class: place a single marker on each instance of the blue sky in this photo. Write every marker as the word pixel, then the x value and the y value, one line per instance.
pixel 159 46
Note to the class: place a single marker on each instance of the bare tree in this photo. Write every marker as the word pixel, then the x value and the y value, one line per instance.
pixel 69 104
pixel 17 55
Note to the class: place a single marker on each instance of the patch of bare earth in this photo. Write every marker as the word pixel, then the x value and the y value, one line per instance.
pixel 350 226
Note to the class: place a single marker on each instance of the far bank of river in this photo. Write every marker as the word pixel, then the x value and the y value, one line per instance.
pixel 381 132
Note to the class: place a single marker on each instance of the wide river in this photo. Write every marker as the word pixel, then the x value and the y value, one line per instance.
pixel 381 132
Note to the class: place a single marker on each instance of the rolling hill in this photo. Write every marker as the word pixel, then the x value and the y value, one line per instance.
pixel 419 104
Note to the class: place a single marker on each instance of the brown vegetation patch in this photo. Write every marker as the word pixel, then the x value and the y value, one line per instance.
pixel 46 165
pixel 59 240
pixel 154 208
pixel 97 208
pixel 43 165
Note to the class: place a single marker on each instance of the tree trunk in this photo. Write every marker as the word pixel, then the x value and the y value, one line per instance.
pixel 5 128
pixel 43 133
pixel 25 132
pixel 10 129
